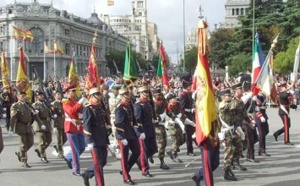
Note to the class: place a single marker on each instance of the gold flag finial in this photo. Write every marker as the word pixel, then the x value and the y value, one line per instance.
pixel 275 42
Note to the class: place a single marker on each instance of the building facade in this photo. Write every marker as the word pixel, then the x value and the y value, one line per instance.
pixel 141 33
pixel 72 33
pixel 234 9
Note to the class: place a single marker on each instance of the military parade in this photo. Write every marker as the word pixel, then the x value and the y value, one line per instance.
pixel 137 127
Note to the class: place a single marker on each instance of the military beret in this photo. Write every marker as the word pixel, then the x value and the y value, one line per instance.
pixel 171 96
pixel 225 92
pixel 157 91
pixel 115 87
pixel 37 93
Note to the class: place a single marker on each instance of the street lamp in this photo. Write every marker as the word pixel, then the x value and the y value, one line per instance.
pixel 176 52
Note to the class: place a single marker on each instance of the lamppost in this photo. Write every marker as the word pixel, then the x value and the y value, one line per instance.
pixel 176 52
pixel 183 16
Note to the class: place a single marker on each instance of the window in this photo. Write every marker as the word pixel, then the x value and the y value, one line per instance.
pixel 237 11
pixel 67 48
pixel 233 12
pixel 140 4
pixel 37 45
pixel 1 46
pixel 242 11
pixel 67 32
pixel 140 14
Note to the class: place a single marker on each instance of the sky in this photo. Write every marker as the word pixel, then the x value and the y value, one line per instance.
pixel 167 14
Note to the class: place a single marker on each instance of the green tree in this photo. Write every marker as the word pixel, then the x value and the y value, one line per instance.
pixel 239 63
pixel 284 61
pixel 190 57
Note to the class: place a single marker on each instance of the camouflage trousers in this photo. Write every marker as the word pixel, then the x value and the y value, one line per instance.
pixel 161 140
pixel 176 136
pixel 233 148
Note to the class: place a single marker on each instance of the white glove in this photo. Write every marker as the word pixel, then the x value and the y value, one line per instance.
pixel 253 122
pixel 108 127
pixel 125 142
pixel 4 109
pixel 54 130
pixel 154 121
pixel 142 136
pixel 262 119
pixel 54 116
pixel 246 97
pixel 43 127
pixel 179 115
pixel 171 123
pixel 254 98
pixel 193 110
pixel 241 133
pixel 36 112
pixel 82 100
pixel 80 115
pixel 4 116
pixel 89 146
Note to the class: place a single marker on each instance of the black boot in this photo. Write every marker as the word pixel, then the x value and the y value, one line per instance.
pixel 170 155
pixel 238 166
pixel 151 159
pixel 163 164
pixel 228 175
pixel 175 158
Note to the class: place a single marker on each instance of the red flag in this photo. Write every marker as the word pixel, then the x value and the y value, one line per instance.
pixel 92 77
pixel 165 77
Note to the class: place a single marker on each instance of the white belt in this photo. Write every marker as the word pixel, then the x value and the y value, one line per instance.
pixel 188 110
pixel 262 107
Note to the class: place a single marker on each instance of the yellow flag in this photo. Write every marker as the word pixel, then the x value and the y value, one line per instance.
pixel 5 71
pixel 58 49
pixel 73 77
pixel 110 2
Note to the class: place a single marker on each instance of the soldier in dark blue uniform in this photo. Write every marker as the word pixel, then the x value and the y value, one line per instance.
pixel 125 134
pixel 187 105
pixel 95 128
pixel 261 120
pixel 284 113
pixel 143 113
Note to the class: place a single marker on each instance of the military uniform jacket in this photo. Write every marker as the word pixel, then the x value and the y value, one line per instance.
pixel 113 103
pixel 187 104
pixel 44 114
pixel 226 112
pixel 95 123
pixel 174 110
pixel 160 107
pixel 72 123
pixel 59 111
pixel 6 101
pixel 284 100
pixel 105 100
pixel 21 118
pixel 240 112
pixel 125 122
pixel 144 114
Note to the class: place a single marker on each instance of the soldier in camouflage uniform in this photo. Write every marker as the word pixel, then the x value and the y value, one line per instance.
pixel 228 135
pixel 173 111
pixel 160 130
pixel 43 131
pixel 58 124
pixel 105 98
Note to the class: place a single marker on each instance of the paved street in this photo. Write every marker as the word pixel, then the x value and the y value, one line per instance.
pixel 281 169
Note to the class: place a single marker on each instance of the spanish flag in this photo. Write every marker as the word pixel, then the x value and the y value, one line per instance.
pixel 92 76
pixel 110 2
pixel 162 70
pixel 25 35
pixel 73 77
pixel 5 71
pixel 22 81
pixel 58 49
pixel 206 112
pixel 46 49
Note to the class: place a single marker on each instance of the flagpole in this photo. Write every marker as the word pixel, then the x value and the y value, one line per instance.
pixel 54 74
pixel 253 27
pixel 183 56
pixel 11 60
pixel 45 64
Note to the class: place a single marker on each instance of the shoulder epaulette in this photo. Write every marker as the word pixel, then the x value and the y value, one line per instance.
pixel 65 100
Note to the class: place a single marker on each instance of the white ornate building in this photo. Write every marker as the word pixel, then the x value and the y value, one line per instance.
pixel 49 24
pixel 234 9
pixel 141 33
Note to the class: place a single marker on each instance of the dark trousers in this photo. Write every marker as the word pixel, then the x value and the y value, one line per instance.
pixel 210 162
pixel 250 140
pixel 127 163
pixel 45 138
pixel 285 129
pixel 61 139
pixel 1 141
pixel 151 146
pixel 190 130
pixel 99 155
pixel 143 158
pixel 26 142
pixel 263 130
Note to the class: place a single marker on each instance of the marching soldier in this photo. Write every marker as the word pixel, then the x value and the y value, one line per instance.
pixel 114 100
pixel 22 115
pixel 95 128
pixel 186 104
pixel 105 98
pixel 6 101
pixel 227 135
pixel 143 113
pixel 160 130
pixel 73 128
pixel 284 113
pixel 126 136
pixel 58 124
pixel 175 126
pixel 261 119
pixel 43 131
